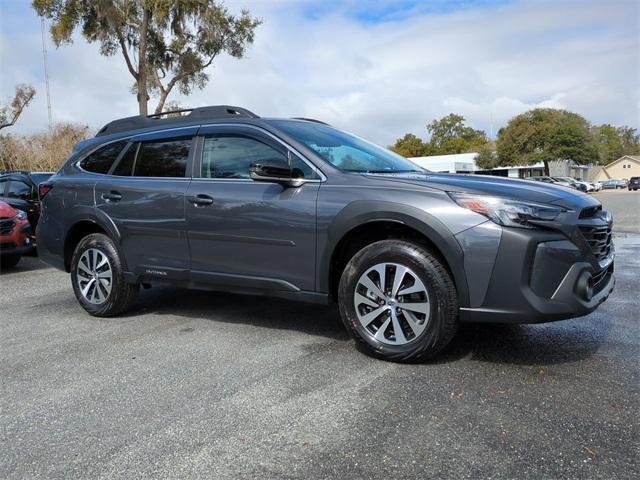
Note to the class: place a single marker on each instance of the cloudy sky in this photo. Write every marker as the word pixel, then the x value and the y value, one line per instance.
pixel 378 68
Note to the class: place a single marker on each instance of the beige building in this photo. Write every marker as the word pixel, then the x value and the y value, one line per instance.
pixel 625 167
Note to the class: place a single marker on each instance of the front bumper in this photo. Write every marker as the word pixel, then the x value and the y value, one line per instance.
pixel 542 276
pixel 18 241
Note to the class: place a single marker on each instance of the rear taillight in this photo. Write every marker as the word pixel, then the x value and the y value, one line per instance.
pixel 43 189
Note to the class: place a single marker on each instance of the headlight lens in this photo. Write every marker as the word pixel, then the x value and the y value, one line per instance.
pixel 21 215
pixel 506 211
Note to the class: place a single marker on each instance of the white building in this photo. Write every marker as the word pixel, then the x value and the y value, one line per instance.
pixel 466 163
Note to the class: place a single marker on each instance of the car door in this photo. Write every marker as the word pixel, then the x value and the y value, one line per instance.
pixel 21 196
pixel 143 196
pixel 245 233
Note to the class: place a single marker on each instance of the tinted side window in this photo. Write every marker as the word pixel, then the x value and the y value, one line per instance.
pixel 167 158
pixel 125 165
pixel 101 160
pixel 3 185
pixel 18 190
pixel 231 157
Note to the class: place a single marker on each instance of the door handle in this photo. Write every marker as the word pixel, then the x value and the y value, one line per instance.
pixel 200 200
pixel 112 196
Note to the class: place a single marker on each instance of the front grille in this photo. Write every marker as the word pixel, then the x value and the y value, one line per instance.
pixel 598 238
pixel 599 280
pixel 6 225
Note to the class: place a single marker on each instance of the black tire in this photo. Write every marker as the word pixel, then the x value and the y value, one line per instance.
pixel 443 319
pixel 9 261
pixel 122 295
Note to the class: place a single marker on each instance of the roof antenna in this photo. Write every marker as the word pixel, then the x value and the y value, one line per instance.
pixel 46 72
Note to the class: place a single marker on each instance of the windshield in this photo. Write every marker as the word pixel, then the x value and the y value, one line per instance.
pixel 345 151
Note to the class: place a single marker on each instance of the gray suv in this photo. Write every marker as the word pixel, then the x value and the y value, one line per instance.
pixel 225 200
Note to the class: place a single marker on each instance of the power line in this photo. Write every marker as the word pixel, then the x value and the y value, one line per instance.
pixel 46 72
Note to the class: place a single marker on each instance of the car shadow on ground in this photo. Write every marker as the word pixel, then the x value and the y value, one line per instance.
pixel 258 311
pixel 27 264
pixel 542 344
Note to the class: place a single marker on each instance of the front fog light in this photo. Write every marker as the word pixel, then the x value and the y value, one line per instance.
pixel 584 286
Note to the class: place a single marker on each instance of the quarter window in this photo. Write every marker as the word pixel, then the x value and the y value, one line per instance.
pixel 101 160
pixel 231 157
pixel 18 190
pixel 167 158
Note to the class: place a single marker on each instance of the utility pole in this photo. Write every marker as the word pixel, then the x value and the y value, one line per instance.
pixel 46 72
pixel 491 124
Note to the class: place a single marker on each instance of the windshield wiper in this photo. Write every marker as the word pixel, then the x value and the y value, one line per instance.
pixel 392 171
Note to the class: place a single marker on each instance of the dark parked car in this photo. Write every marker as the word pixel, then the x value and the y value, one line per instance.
pixel 225 200
pixel 634 183
pixel 572 183
pixel 613 184
pixel 15 235
pixel 554 181
pixel 543 179
pixel 20 190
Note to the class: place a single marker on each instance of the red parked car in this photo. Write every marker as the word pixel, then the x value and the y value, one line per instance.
pixel 15 235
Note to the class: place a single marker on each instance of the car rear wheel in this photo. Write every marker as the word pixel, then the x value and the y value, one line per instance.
pixel 97 277
pixel 398 301
pixel 9 261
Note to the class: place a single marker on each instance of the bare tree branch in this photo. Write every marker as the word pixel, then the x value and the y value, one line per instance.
pixel 23 96
pixel 125 52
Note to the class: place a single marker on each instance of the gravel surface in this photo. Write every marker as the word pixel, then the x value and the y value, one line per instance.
pixel 207 385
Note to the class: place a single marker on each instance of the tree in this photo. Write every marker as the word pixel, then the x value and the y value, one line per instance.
pixel 450 135
pixel 165 44
pixel 545 135
pixel 630 140
pixel 410 146
pixel 10 113
pixel 487 158
pixel 608 142
pixel 614 142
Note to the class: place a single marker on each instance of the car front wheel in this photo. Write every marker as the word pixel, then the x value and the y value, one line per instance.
pixel 398 301
pixel 97 277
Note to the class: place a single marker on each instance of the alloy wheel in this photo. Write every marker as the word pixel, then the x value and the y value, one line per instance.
pixel 94 276
pixel 392 303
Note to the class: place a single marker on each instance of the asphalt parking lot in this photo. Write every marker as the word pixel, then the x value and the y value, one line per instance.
pixel 624 205
pixel 208 385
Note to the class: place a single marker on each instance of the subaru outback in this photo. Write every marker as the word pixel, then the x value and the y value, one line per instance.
pixel 222 199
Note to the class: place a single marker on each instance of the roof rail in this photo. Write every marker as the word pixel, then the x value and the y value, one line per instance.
pixel 9 172
pixel 311 120
pixel 198 113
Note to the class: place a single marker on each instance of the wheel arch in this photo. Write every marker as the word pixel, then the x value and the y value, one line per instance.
pixel 362 224
pixel 80 229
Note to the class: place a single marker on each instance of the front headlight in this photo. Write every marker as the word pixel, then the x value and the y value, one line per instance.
pixel 506 211
pixel 21 215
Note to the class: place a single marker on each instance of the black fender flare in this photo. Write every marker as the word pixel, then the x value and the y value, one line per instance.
pixel 361 212
pixel 98 218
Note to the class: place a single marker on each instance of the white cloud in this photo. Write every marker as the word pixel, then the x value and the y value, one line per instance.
pixel 377 79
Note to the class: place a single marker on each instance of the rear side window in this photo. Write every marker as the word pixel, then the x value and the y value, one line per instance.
pixel 18 190
pixel 101 160
pixel 125 165
pixel 166 158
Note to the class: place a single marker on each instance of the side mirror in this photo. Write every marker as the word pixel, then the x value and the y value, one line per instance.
pixel 276 171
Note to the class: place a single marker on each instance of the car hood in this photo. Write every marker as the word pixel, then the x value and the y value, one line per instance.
pixel 526 190
pixel 7 211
